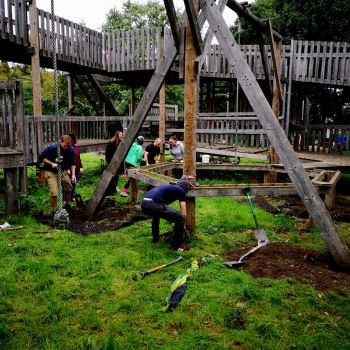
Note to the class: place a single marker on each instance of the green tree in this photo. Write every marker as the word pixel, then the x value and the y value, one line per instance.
pixel 322 20
pixel 135 16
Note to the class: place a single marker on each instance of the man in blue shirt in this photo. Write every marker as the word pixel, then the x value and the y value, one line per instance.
pixel 156 203
pixel 49 157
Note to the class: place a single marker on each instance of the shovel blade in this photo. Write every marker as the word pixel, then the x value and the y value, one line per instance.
pixel 260 235
pixel 233 263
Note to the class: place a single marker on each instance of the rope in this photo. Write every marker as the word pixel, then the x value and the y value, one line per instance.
pixel 57 125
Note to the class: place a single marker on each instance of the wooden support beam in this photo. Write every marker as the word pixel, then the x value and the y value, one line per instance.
pixel 174 25
pixel 139 116
pixel 265 65
pixel 11 191
pixel 192 10
pixel 276 135
pixel 209 35
pixel 276 48
pixel 190 108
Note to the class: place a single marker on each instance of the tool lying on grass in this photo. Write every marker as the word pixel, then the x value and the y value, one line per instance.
pixel 259 234
pixel 160 267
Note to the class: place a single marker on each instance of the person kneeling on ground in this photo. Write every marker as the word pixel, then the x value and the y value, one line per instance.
pixel 49 157
pixel 156 203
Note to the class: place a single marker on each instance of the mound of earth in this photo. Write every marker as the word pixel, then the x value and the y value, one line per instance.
pixel 108 218
pixel 277 260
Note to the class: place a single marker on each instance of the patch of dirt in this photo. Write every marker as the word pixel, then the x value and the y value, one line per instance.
pixel 109 218
pixel 293 206
pixel 277 260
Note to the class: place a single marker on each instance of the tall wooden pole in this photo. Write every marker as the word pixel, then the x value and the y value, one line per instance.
pixel 271 177
pixel 162 107
pixel 190 113
pixel 35 62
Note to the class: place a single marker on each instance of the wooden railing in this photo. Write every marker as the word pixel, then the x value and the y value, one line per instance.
pixel 310 61
pixel 243 129
pixel 14 21
pixel 322 138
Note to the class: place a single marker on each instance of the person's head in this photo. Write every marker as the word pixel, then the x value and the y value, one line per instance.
pixel 158 142
pixel 66 141
pixel 185 182
pixel 172 140
pixel 140 140
pixel 73 138
pixel 119 135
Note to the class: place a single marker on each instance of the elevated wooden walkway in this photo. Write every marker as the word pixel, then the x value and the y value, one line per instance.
pixel 123 55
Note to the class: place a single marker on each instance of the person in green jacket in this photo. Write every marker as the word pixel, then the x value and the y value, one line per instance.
pixel 133 160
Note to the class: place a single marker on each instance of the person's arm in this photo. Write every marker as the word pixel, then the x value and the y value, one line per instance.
pixel 52 164
pixel 182 150
pixel 73 178
pixel 145 157
pixel 183 208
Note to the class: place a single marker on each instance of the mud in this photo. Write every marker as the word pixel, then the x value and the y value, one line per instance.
pixel 277 261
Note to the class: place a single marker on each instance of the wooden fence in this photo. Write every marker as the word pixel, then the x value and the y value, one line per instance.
pixel 243 129
pixel 322 138
pixel 308 61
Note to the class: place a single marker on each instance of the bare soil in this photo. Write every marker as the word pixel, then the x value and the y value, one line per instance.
pixel 277 260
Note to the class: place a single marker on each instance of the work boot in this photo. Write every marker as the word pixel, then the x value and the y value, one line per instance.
pixel 68 208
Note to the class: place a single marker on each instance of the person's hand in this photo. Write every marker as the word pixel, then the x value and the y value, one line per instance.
pixel 73 179
pixel 54 165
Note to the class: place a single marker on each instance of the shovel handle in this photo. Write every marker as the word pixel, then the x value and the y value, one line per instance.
pixel 157 268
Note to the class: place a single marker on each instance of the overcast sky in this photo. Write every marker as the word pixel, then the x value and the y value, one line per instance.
pixel 93 13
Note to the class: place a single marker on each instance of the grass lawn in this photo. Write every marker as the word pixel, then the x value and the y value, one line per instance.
pixel 60 290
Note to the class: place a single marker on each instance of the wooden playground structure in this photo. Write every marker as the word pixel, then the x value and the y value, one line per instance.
pixel 183 56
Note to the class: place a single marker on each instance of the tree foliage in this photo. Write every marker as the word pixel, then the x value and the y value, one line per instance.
pixel 322 20
pixel 135 16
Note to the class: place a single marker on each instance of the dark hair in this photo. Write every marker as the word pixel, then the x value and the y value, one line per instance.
pixel 73 137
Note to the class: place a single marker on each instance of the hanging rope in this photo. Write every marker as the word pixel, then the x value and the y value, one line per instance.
pixel 61 217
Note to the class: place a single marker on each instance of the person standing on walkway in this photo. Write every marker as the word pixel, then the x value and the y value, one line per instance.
pixel 156 203
pixel 133 160
pixel 177 152
pixel 111 148
pixel 51 163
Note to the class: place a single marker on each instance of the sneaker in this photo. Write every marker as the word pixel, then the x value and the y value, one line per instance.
pixel 180 248
pixel 123 193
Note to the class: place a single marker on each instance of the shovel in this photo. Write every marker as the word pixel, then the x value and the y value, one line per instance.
pixel 160 267
pixel 259 234
pixel 240 261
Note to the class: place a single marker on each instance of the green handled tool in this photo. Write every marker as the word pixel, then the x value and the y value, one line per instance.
pixel 160 267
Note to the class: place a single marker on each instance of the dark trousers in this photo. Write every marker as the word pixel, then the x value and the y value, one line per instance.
pixel 163 211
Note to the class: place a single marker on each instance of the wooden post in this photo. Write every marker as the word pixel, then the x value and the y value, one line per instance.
pixel 35 62
pixel 134 190
pixel 11 192
pixel 307 192
pixel 271 177
pixel 21 137
pixel 190 116
pixel 162 107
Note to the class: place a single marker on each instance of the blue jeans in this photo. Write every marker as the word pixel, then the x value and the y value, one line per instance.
pixel 163 211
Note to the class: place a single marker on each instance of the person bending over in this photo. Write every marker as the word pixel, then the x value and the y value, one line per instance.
pixel 156 203
pixel 51 163
pixel 152 151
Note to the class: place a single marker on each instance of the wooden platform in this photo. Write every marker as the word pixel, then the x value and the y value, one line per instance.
pixel 10 158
